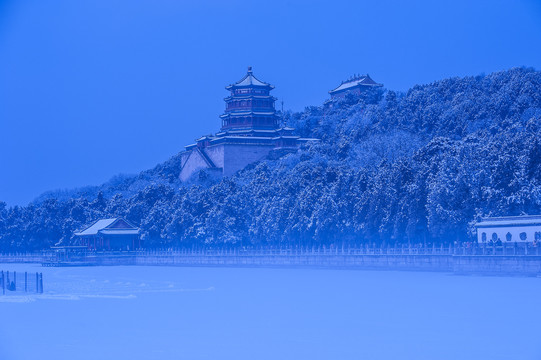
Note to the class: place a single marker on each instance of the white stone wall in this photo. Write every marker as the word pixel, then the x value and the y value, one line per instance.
pixel 230 157
pixel 502 231
pixel 237 156
pixel 216 154
pixel 183 157
pixel 195 162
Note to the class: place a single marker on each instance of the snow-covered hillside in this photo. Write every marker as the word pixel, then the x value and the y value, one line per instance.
pixel 391 167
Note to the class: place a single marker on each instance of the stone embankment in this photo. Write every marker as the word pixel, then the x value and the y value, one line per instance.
pixel 485 260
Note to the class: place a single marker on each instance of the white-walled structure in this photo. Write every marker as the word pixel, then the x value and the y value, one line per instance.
pixel 526 228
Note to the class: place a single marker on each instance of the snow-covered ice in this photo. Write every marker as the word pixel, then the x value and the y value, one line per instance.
pixel 247 313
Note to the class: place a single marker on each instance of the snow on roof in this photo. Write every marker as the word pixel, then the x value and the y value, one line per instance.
pixel 264 130
pixel 210 137
pixel 510 221
pixel 364 80
pixel 247 137
pixel 245 113
pixel 101 226
pixel 248 80
pixel 286 137
pixel 119 232
pixel 248 131
pixel 249 96
pixel 97 226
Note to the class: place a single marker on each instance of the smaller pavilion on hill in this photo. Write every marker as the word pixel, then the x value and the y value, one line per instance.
pixel 109 234
pixel 355 85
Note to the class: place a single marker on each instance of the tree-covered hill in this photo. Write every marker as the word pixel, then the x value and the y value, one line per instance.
pixel 391 167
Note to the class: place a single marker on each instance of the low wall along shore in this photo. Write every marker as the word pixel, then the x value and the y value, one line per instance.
pixel 509 259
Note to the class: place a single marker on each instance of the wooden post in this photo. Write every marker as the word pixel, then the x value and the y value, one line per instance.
pixel 3 284
pixel 37 283
pixel 15 280
pixel 25 281
pixel 41 282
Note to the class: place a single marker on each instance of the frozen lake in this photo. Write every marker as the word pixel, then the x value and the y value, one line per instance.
pixel 246 313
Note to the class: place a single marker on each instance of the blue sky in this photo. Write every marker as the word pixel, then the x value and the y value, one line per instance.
pixel 93 88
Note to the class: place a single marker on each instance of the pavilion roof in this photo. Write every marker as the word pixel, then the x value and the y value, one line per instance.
pixel 247 113
pixel 116 226
pixel 205 137
pixel 249 96
pixel 249 80
pixel 510 221
pixel 359 80
pixel 251 130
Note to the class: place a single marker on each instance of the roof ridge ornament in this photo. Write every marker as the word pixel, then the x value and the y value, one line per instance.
pixel 249 70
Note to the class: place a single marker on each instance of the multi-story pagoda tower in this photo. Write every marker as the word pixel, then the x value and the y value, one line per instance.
pixel 250 130
pixel 250 105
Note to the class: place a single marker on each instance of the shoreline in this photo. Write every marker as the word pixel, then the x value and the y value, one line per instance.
pixel 463 264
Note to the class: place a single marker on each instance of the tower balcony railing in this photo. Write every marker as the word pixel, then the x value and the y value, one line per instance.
pixel 251 108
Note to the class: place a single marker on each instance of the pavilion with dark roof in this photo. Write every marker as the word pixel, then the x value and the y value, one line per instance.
pixel 109 234
pixel 355 85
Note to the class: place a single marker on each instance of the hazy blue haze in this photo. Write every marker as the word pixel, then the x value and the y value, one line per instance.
pixel 89 89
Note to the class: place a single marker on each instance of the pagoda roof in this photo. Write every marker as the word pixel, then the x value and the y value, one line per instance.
pixel 287 137
pixel 242 139
pixel 249 96
pixel 249 80
pixel 244 131
pixel 190 147
pixel 114 226
pixel 246 137
pixel 247 113
pixel 205 137
pixel 253 131
pixel 358 80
